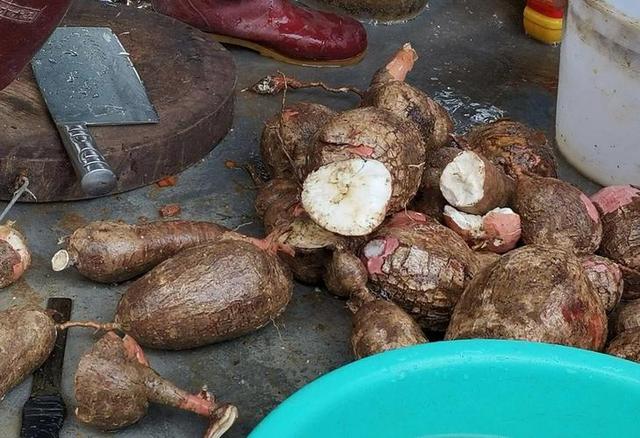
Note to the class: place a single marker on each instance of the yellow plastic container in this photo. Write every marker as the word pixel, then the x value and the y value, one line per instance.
pixel 541 27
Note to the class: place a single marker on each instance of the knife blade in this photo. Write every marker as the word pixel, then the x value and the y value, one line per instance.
pixel 43 413
pixel 87 79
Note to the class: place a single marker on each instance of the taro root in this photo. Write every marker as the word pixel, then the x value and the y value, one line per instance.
pixel 625 317
pixel 205 294
pixel 278 202
pixel 389 91
pixel 474 185
pixel 420 265
pixel 112 252
pixel 397 68
pixel 497 231
pixel 429 199
pixel 533 293
pixel 433 121
pixel 631 278
pixel 365 164
pixel 378 325
pixel 619 208
pixel 114 385
pixel 514 146
pixel 287 137
pixel 345 274
pixel 312 246
pixel 555 213
pixel 27 337
pixel 15 257
pixel 606 278
pixel 626 345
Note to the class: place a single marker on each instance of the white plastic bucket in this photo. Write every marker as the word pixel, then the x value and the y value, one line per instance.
pixel 598 113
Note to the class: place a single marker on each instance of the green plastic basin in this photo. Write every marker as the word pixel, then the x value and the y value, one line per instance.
pixel 476 388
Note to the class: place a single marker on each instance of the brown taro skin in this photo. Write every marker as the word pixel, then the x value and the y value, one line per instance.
pixel 606 278
pixel 287 137
pixel 631 283
pixel 27 337
pixel 626 345
pixel 308 265
pixel 277 194
pixel 113 252
pixel 373 133
pixel 517 148
pixel 533 293
pixel 345 274
pixel 621 236
pixel 555 213
pixel 429 199
pixel 312 246
pixel 110 388
pixel 15 257
pixel 389 91
pixel 10 264
pixel 420 265
pixel 114 385
pixel 205 294
pixel 278 204
pixel 380 325
pixel 626 316
pixel 486 259
pixel 407 102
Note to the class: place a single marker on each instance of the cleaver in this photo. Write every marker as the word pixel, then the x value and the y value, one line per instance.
pixel 87 79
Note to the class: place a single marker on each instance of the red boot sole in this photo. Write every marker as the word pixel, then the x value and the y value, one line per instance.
pixel 270 53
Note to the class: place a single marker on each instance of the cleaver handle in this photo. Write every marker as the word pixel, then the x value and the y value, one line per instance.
pixel 96 176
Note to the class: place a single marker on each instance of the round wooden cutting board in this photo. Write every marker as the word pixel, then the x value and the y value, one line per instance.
pixel 189 78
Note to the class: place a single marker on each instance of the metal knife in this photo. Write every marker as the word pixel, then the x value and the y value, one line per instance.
pixel 43 413
pixel 87 79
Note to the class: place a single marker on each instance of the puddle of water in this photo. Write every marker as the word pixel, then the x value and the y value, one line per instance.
pixel 465 111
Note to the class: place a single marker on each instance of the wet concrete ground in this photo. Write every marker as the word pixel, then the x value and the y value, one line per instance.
pixel 474 58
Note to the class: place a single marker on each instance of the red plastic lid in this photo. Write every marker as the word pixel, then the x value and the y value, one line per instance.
pixel 550 8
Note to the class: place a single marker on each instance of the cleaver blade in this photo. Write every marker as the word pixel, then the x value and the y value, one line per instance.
pixel 87 79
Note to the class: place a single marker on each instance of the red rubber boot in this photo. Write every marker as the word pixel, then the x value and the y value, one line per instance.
pixel 275 28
